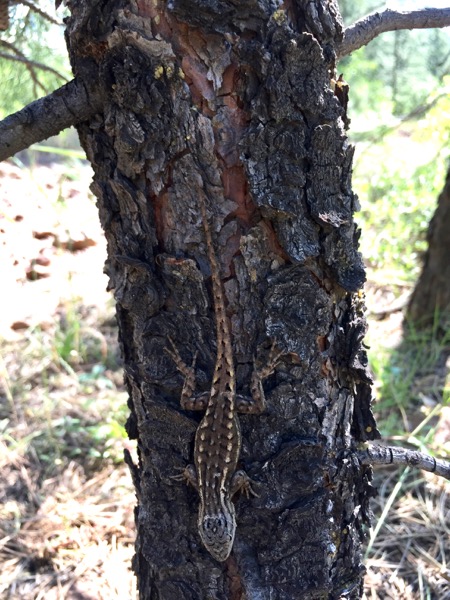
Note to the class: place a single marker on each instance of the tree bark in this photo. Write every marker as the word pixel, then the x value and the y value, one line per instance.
pixel 431 296
pixel 231 102
pixel 4 15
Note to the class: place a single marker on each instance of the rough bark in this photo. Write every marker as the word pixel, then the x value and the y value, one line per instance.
pixel 232 101
pixel 431 295
pixel 69 105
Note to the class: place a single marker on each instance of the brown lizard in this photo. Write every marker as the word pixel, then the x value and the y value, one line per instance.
pixel 218 438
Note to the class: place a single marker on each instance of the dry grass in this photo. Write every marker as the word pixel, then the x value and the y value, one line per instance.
pixel 66 499
pixel 68 537
pixel 66 516
pixel 408 556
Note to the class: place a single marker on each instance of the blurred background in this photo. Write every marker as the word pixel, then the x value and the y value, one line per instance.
pixel 66 512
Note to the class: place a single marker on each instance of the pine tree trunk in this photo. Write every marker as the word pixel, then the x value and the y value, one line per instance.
pixel 230 103
pixel 432 292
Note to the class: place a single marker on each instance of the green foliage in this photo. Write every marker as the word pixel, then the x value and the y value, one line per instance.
pixel 33 37
pixel 75 343
pixel 67 340
pixel 398 182
pixel 399 171
pixel 404 374
pixel 389 76
pixel 107 435
pixel 352 10
pixel 67 153
pixel 63 413
pixel 96 433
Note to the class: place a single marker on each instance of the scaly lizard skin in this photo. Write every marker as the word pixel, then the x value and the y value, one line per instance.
pixel 218 438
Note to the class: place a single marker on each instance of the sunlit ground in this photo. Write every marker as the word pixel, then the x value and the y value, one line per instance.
pixel 66 516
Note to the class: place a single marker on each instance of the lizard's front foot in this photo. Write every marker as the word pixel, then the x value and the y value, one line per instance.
pixel 271 364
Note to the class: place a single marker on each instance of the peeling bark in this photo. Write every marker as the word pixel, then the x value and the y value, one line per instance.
pixel 232 101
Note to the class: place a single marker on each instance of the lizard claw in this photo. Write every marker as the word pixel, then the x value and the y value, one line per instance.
pixel 181 476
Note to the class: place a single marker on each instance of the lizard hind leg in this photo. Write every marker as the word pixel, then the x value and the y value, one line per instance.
pixel 241 482
pixel 188 399
pixel 257 403
pixel 188 373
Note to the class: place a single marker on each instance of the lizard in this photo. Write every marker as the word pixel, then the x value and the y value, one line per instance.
pixel 218 438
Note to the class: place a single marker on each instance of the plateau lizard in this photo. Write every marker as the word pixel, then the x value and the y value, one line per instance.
pixel 218 437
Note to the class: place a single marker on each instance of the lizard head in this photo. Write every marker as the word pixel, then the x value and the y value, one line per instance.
pixel 217 532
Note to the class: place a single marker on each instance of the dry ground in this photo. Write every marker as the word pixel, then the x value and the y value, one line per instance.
pixel 66 513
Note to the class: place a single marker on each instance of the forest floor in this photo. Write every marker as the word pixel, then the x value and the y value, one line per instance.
pixel 66 500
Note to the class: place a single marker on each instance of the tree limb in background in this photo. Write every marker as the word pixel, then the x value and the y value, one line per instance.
pixel 366 29
pixel 430 300
pixel 20 57
pixel 68 105
pixel 392 455
pixel 39 11
pixel 31 65
pixel 374 136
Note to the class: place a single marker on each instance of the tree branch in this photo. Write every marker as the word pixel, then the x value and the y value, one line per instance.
pixel 29 68
pixel 66 106
pixel 20 57
pixel 366 29
pixel 392 455
pixel 39 11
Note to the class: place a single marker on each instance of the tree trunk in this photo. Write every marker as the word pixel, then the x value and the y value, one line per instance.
pixel 230 104
pixel 432 291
